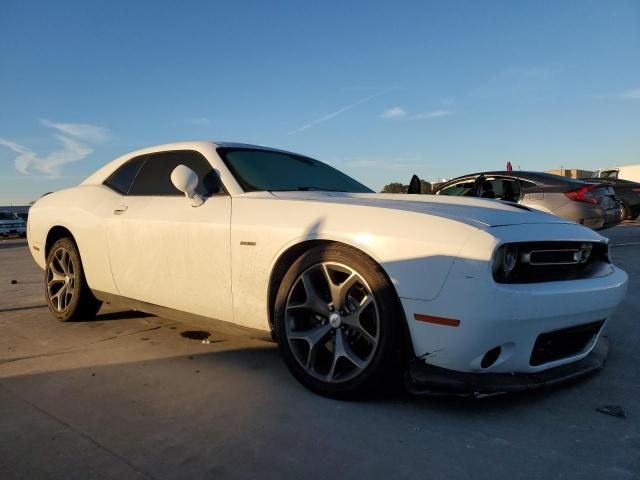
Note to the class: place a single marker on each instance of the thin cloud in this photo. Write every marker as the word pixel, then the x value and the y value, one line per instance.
pixel 520 82
pixel 431 115
pixel 340 111
pixel 399 112
pixel 27 162
pixel 197 121
pixel 395 112
pixel 72 140
pixel 633 94
pixel 81 131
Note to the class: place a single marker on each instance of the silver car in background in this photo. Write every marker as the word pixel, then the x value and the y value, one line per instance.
pixel 591 205
pixel 12 224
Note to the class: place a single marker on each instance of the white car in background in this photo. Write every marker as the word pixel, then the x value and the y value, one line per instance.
pixel 626 172
pixel 461 294
pixel 12 224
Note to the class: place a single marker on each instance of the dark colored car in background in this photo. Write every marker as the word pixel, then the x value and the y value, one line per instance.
pixel 627 193
pixel 590 204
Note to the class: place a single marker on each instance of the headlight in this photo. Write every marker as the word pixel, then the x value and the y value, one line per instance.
pixel 510 259
pixel 506 260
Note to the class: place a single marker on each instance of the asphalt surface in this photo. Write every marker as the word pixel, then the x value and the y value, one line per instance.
pixel 128 396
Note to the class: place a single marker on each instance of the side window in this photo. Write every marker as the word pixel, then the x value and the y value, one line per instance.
pixel 122 178
pixel 501 188
pixel 154 178
pixel 460 189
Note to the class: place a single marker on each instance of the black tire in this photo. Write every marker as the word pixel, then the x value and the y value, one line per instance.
pixel 79 303
pixel 382 371
pixel 624 212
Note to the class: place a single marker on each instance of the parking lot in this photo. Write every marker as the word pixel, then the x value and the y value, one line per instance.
pixel 132 396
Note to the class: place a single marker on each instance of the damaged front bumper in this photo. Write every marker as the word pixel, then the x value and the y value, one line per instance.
pixel 424 379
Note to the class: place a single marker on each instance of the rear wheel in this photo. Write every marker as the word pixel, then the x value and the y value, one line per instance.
pixel 68 295
pixel 624 212
pixel 336 320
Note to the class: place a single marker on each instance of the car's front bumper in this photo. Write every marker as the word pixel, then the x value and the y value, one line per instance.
pixel 472 316
pixel 424 379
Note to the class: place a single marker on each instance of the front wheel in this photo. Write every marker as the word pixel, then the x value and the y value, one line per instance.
pixel 337 322
pixel 68 295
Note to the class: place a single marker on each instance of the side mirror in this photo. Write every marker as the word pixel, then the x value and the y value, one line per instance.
pixel 186 180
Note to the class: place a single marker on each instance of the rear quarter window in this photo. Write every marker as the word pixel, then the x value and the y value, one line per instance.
pixel 123 177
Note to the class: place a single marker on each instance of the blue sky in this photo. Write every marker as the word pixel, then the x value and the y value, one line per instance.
pixel 381 90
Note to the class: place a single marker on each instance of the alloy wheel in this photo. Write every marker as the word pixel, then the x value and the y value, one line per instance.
pixel 61 279
pixel 332 322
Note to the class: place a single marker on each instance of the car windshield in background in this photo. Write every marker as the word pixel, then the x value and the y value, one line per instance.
pixel 8 216
pixel 260 170
pixel 609 174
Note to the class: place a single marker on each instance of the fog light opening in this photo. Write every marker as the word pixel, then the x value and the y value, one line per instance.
pixel 490 357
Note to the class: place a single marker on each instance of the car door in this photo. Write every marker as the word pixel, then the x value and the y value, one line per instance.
pixel 164 251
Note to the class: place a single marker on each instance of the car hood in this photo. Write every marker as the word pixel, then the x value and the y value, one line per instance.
pixel 476 211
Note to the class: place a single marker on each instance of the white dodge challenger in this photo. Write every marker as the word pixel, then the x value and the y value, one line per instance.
pixel 461 295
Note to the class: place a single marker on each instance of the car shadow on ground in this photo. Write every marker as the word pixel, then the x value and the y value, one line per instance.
pixel 267 372
pixel 267 360
pixel 6 245
pixel 120 315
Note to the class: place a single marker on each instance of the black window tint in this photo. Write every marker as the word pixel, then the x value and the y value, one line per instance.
pixel 460 189
pixel 154 177
pixel 121 179
pixel 259 170
pixel 501 188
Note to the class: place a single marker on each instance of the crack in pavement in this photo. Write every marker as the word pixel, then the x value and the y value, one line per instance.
pixel 17 309
pixel 128 334
pixel 75 348
pixel 82 434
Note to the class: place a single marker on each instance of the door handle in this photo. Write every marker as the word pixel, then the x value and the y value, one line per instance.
pixel 120 210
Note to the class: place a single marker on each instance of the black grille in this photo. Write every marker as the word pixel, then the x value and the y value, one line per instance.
pixel 564 343
pixel 551 261
pixel 557 257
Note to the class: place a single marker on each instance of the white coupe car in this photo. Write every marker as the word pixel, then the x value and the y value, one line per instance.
pixel 458 294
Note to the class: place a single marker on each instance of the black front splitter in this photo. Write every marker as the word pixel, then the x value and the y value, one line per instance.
pixel 423 379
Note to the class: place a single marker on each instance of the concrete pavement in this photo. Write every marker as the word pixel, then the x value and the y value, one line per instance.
pixel 127 396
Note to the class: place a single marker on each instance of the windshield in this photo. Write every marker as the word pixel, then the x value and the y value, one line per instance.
pixel 606 174
pixel 260 170
pixel 8 216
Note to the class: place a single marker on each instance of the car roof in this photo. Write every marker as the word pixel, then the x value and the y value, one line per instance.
pixel 540 177
pixel 103 172
pixel 254 147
